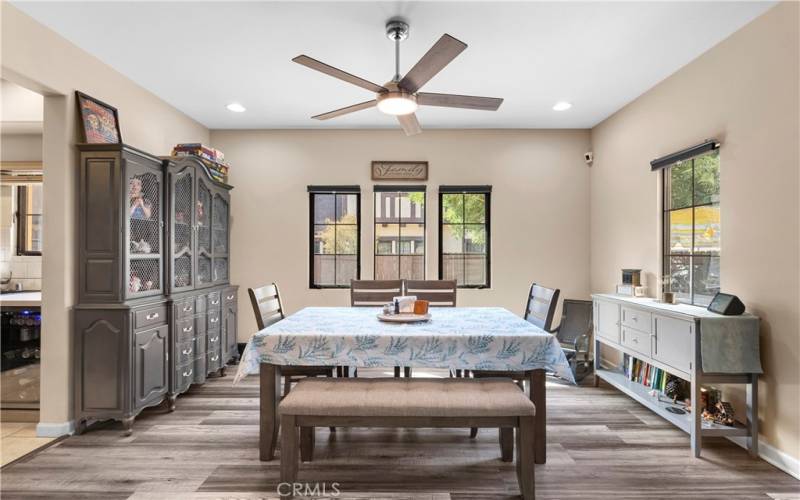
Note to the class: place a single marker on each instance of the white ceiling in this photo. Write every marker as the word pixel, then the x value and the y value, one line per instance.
pixel 200 56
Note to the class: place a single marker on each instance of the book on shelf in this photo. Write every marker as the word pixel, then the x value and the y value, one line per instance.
pixel 644 373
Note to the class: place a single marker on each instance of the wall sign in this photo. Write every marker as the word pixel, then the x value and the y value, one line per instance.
pixel 399 170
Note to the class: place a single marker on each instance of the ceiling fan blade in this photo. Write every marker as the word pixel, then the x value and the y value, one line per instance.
pixel 344 111
pixel 459 101
pixel 443 51
pixel 410 124
pixel 337 73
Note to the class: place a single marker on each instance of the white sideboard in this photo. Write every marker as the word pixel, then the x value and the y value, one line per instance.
pixel 666 336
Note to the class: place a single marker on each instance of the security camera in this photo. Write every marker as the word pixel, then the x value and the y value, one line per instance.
pixel 588 157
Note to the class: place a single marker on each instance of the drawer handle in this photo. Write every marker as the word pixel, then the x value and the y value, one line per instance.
pixel 215 358
pixel 186 309
pixel 229 297
pixel 152 316
pixel 214 320
pixel 188 329
pixel 214 302
pixel 636 318
pixel 189 373
pixel 214 339
pixel 635 340
pixel 187 351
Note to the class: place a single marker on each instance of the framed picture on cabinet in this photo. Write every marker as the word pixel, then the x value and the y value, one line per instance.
pixel 99 121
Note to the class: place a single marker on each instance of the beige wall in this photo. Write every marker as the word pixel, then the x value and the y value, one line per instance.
pixel 20 147
pixel 540 205
pixel 743 92
pixel 40 59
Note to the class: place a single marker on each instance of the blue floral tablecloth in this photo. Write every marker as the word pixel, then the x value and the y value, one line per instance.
pixel 473 338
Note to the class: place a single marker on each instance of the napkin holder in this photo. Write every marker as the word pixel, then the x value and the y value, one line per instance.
pixel 404 304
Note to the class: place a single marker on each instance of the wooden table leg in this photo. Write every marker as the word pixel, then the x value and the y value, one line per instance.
pixel 536 380
pixel 269 397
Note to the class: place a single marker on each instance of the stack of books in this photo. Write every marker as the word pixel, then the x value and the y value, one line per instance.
pixel 644 373
pixel 214 159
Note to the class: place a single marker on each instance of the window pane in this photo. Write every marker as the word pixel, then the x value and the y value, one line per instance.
pixel 412 207
pixel 324 208
pixel 386 208
pixel 324 239
pixel 33 233
pixel 474 239
pixel 452 208
pixel 707 230
pixel 475 270
pixel 346 240
pixel 346 269
pixel 679 276
pixel 453 268
pixel 680 230
pixel 705 279
pixel 452 239
pixel 412 237
pixel 475 208
pixel 412 267
pixel 324 270
pixel 387 239
pixel 35 197
pixel 706 179
pixel 346 209
pixel 387 268
pixel 680 185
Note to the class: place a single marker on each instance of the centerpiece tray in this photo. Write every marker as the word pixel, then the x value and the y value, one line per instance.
pixel 404 318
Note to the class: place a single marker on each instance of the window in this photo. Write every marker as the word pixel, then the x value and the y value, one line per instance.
pixel 399 232
pixel 29 219
pixel 464 244
pixel 335 235
pixel 692 228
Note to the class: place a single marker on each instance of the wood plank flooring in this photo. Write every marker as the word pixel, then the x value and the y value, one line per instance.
pixel 601 445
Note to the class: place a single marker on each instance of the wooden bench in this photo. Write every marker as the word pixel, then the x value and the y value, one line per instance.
pixel 459 403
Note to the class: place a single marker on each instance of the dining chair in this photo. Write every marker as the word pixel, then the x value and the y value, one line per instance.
pixel 438 293
pixel 268 308
pixel 372 293
pixel 540 308
pixel 574 333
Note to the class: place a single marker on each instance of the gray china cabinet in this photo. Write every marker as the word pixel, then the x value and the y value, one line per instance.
pixel 156 312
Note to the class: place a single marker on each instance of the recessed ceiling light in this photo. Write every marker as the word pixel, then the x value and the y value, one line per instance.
pixel 236 107
pixel 562 106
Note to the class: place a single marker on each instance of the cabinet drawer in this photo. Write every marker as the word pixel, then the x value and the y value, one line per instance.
pixel 214 341
pixel 213 320
pixel 214 299
pixel 635 318
pixel 185 308
pixel 184 352
pixel 636 340
pixel 201 305
pixel 214 361
pixel 229 296
pixel 184 376
pixel 184 329
pixel 674 342
pixel 150 316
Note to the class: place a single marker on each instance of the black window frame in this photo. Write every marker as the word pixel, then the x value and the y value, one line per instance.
pixel 385 188
pixel 332 190
pixel 666 201
pixel 23 219
pixel 487 192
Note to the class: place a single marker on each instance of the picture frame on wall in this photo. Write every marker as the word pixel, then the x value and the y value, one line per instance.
pixel 399 170
pixel 99 121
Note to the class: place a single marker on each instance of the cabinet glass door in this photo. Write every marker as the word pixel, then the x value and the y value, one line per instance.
pixel 219 237
pixel 203 218
pixel 144 223
pixel 183 229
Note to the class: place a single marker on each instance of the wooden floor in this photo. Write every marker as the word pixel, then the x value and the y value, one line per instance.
pixel 600 445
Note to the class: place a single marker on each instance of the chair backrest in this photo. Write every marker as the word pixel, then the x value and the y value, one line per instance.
pixel 372 293
pixel 440 293
pixel 576 319
pixel 267 305
pixel 541 306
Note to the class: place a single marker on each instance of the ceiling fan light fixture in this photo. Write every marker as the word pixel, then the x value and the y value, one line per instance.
pixel 562 106
pixel 397 103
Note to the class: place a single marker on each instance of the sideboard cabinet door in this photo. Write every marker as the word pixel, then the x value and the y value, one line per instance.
pixel 607 320
pixel 674 342
pixel 150 367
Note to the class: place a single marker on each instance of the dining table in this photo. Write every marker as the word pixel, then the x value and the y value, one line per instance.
pixel 455 338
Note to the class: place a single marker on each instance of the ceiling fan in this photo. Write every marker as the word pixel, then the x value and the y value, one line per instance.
pixel 401 96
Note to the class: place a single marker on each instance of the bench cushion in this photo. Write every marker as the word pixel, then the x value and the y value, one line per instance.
pixel 407 398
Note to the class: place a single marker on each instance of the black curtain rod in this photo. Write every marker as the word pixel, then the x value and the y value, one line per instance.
pixel 684 154
pixel 334 189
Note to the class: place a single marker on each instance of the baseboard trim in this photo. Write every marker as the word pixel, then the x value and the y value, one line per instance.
pixel 772 455
pixel 47 429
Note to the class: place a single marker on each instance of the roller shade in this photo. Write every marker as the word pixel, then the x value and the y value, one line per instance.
pixel 334 189
pixel 685 154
